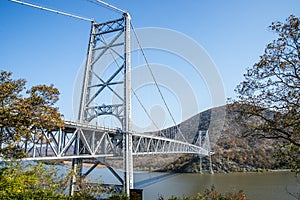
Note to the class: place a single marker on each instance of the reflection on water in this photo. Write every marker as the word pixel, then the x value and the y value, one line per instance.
pixel 257 186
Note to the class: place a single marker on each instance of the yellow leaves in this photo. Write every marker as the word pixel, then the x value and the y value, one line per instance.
pixel 25 181
pixel 22 117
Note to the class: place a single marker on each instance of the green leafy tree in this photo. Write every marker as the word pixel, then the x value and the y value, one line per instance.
pixel 268 103
pixel 25 118
pixel 118 197
pixel 22 181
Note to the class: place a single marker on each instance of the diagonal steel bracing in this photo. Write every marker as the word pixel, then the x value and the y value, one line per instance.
pixel 107 45
pixel 100 142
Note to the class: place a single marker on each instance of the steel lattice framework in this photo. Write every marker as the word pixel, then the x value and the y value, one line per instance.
pixel 109 43
pixel 100 142
pixel 106 38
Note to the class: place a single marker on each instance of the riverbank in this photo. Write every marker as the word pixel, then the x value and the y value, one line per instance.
pixel 244 160
pixel 69 163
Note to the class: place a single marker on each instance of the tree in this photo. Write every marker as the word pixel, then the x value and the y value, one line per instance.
pixel 25 119
pixel 268 102
pixel 22 181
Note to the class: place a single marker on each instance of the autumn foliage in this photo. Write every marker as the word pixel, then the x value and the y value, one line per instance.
pixel 268 102
pixel 25 114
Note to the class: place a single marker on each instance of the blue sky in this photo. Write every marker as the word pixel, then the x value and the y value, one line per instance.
pixel 44 47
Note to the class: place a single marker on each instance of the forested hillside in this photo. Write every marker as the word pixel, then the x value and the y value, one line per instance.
pixel 231 151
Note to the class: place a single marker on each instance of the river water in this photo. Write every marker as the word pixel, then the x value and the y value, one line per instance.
pixel 257 186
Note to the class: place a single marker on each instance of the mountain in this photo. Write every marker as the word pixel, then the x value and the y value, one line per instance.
pixel 232 152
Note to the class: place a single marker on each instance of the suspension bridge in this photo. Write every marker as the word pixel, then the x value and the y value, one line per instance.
pixel 82 140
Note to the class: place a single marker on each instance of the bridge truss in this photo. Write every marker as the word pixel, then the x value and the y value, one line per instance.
pixel 84 141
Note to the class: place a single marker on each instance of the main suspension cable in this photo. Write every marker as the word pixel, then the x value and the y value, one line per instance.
pixel 52 10
pixel 155 81
pixel 107 5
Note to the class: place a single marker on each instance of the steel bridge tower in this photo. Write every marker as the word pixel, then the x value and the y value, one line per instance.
pixel 111 38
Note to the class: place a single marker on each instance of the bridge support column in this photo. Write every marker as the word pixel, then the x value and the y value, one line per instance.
pixel 210 164
pixel 127 137
pixel 209 152
pixel 128 164
pixel 200 164
pixel 77 171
